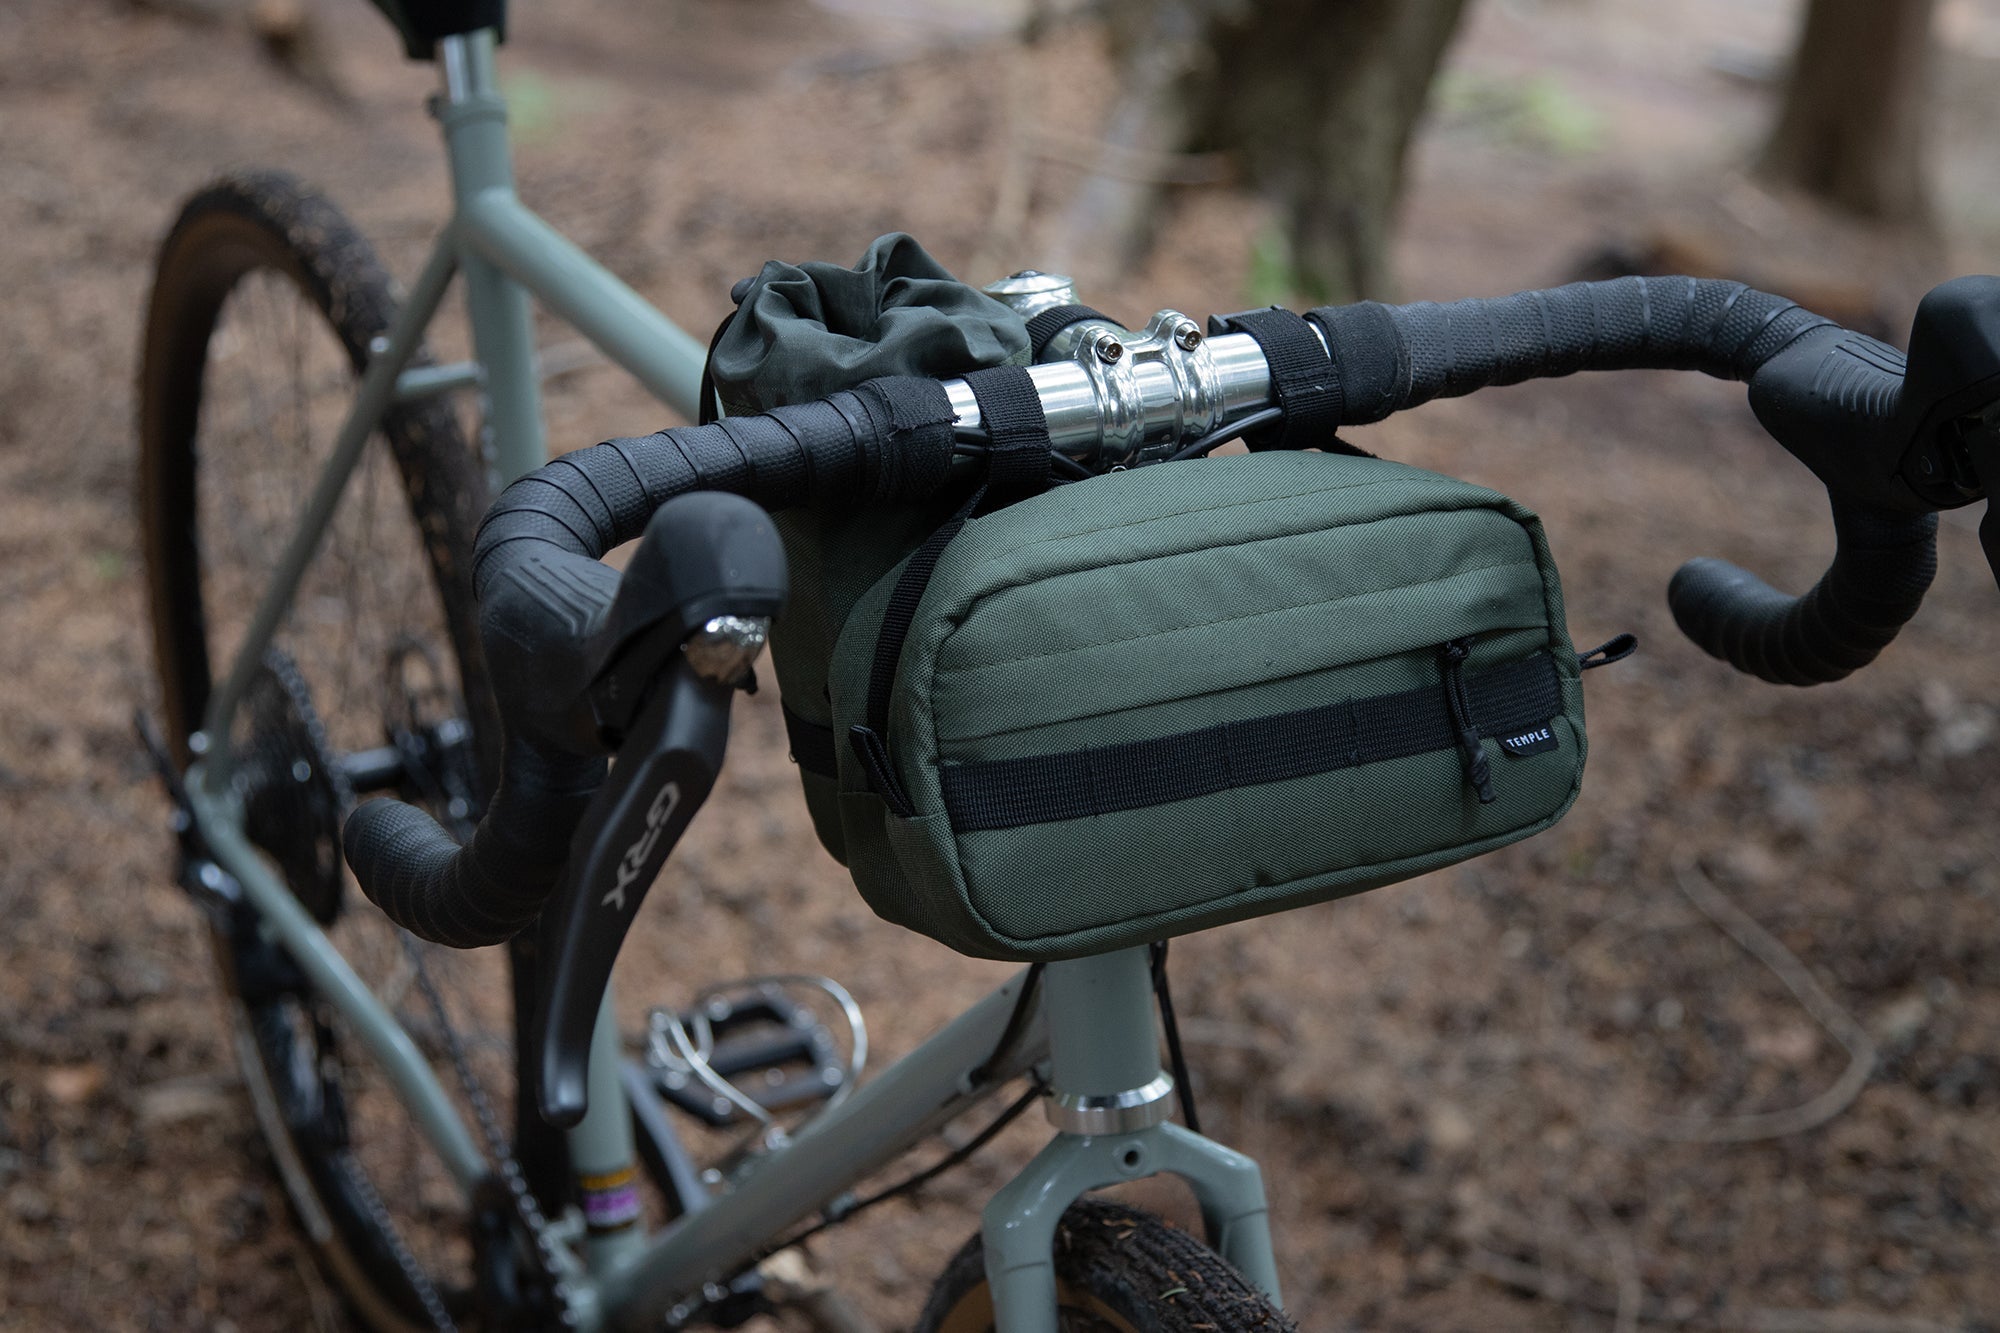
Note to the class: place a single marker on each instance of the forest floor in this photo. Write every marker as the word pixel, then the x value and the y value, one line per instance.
pixel 1460 1087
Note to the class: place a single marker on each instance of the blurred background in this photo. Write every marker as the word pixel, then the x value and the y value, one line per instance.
pixel 1517 1094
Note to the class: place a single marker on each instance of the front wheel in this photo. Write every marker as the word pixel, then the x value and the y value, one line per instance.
pixel 1118 1270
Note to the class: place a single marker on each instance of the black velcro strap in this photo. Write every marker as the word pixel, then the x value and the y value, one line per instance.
pixel 1017 467
pixel 1043 789
pixel 902 609
pixel 1043 328
pixel 812 745
pixel 1018 462
pixel 1010 411
pixel 1370 359
pixel 1302 378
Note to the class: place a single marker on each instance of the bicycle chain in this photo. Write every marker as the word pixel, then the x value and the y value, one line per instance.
pixel 527 1209
pixel 413 1271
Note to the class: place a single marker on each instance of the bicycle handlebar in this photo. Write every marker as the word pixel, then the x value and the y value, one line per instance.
pixel 1881 569
pixel 1389 358
pixel 883 442
pixel 576 654
pixel 1836 400
pixel 552 618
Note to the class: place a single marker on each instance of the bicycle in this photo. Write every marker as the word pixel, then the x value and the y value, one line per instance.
pixel 265 763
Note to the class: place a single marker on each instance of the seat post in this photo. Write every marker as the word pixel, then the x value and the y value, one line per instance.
pixel 474 119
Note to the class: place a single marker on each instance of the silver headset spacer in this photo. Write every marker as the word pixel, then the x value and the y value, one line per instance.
pixel 1031 291
pixel 1112 1113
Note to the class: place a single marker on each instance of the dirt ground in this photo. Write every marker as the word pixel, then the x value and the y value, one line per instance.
pixel 1506 1096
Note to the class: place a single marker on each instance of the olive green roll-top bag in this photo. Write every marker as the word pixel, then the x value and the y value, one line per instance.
pixel 1182 695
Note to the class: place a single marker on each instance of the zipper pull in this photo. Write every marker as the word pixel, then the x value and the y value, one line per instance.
pixel 1615 649
pixel 1478 771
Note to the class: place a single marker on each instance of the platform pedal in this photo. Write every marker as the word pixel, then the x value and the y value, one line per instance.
pixel 749 1050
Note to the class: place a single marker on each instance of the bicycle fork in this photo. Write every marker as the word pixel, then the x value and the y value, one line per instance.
pixel 1109 1101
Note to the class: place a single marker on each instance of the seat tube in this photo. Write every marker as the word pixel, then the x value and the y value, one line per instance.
pixel 603 1155
pixel 474 118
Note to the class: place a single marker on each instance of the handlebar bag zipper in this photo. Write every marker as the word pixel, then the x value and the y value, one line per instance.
pixel 1169 698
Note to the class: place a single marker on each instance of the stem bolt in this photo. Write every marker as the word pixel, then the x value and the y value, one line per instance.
pixel 1188 336
pixel 1108 348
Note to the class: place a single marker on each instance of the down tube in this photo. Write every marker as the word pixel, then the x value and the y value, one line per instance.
pixel 387 1042
pixel 911 1099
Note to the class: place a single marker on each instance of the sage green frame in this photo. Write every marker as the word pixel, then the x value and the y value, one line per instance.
pixel 1105 1043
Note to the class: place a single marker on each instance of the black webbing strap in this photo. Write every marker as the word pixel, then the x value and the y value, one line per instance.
pixel 870 745
pixel 812 745
pixel 1010 412
pixel 1043 328
pixel 1302 378
pixel 1042 789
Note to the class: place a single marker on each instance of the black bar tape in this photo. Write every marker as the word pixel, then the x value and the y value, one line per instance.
pixel 886 441
pixel 1388 358
pixel 1881 569
pixel 1302 378
pixel 494 886
pixel 1393 357
pixel 1043 328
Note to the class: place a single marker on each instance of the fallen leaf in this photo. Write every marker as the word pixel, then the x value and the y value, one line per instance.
pixel 72 1085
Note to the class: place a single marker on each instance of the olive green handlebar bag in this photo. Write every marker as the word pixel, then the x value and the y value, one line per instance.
pixel 1164 699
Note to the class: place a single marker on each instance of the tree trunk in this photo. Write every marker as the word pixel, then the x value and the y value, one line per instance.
pixel 1161 49
pixel 1851 130
pixel 1319 101
pixel 1316 100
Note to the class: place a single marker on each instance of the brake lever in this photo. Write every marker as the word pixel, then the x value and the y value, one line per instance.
pixel 690 616
pixel 1898 436
pixel 1952 395
pixel 666 768
pixel 1981 446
